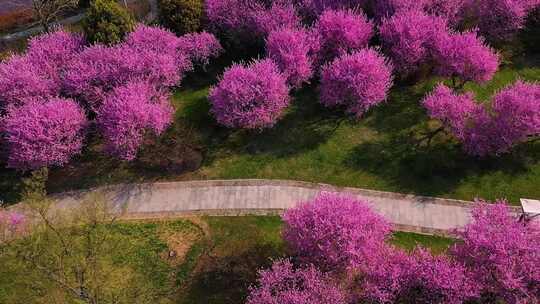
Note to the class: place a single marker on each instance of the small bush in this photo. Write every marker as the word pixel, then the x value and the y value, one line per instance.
pixel 181 16
pixel 107 22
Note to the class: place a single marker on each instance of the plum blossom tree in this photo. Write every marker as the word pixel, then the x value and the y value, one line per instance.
pixel 43 133
pixel 97 70
pixel 312 9
pixel 21 81
pixel 452 10
pixel 278 16
pixel 358 81
pixel 408 38
pixel 498 20
pixel 285 285
pixel 291 50
pixel 195 47
pixel 153 38
pixel 231 17
pixel 334 231
pixel 501 254
pixel 250 97
pixel 512 117
pixel 455 111
pixel 200 47
pixel 36 73
pixel 129 113
pixel 341 32
pixel 393 276
pixel 50 52
pixel 465 56
pixel 41 128
pixel 387 8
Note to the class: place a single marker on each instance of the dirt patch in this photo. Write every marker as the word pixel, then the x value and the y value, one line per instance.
pixel 178 245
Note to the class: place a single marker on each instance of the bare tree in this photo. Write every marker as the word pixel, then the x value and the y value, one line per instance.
pixel 76 252
pixel 47 12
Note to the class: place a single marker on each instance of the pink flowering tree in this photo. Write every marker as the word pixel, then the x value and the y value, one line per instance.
pixel 149 54
pixel 43 133
pixel 130 113
pixel 284 284
pixel 341 32
pixel 408 38
pixel 250 97
pixel 153 38
pixel 391 275
pixel 21 81
pixel 291 50
pixel 41 128
pixel 357 82
pixel 512 117
pixel 452 10
pixel 387 8
pixel 36 73
pixel 455 111
pixel 498 20
pixel 501 254
pixel 334 231
pixel 51 52
pixel 466 57
pixel 199 47
pixel 231 17
pixel 278 16
pixel 97 70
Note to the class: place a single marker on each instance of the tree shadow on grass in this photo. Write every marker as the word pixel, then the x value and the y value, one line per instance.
pixel 306 125
pixel 226 279
pixel 435 169
pixel 10 185
pixel 401 111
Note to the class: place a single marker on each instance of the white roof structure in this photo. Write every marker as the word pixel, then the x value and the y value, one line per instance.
pixel 530 206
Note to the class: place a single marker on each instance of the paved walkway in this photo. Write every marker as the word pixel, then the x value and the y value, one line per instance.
pixel 239 197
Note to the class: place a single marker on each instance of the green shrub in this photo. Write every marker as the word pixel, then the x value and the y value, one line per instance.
pixel 107 22
pixel 181 16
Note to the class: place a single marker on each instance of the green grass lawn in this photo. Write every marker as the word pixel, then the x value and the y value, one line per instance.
pixel 313 143
pixel 221 256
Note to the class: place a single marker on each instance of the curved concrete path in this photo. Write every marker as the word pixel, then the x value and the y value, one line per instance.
pixel 240 197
